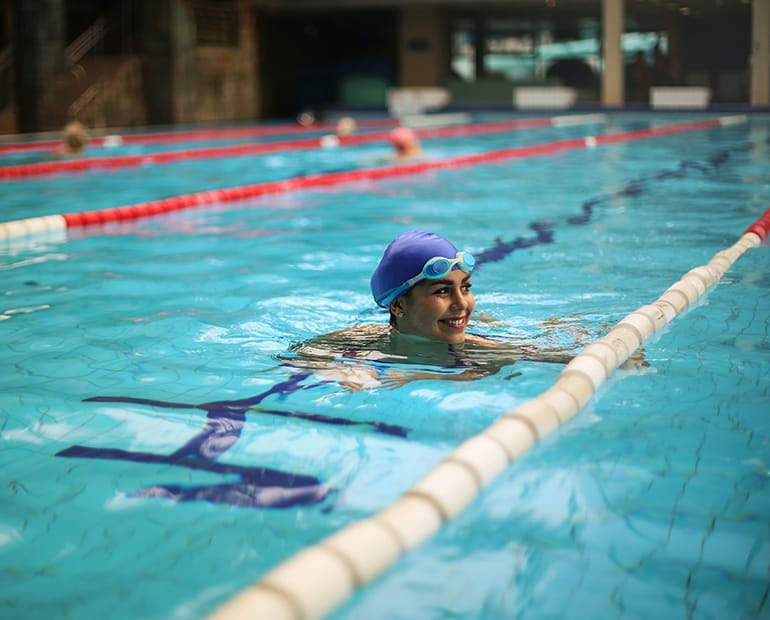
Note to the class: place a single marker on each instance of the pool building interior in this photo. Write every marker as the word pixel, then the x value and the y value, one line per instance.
pixel 171 71
pixel 121 63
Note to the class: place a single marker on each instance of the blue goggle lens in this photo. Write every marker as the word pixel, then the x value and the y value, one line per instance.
pixel 440 266
pixel 437 268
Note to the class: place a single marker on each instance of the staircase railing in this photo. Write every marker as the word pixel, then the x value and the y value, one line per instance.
pixel 114 93
pixel 114 100
pixel 89 39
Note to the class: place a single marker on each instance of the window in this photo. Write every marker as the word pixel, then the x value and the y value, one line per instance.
pixel 527 49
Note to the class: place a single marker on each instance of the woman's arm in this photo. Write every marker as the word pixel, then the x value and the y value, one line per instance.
pixel 551 356
pixel 393 379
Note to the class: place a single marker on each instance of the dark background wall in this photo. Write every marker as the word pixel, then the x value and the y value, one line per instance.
pixel 279 59
pixel 305 57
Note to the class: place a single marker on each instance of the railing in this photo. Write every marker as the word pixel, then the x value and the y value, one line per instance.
pixel 113 100
pixel 76 76
pixel 85 42
pixel 113 85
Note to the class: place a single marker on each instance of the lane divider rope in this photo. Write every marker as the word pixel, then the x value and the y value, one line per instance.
pixel 319 578
pixel 81 164
pixel 53 224
pixel 189 135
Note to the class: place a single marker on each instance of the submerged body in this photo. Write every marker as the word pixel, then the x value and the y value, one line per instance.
pixel 425 284
pixel 406 146
pixel 360 357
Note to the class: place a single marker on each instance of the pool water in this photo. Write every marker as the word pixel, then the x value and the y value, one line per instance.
pixel 26 196
pixel 129 348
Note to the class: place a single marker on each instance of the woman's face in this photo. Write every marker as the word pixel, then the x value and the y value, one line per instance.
pixel 437 309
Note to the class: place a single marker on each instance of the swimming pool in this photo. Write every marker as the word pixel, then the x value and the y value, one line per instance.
pixel 121 340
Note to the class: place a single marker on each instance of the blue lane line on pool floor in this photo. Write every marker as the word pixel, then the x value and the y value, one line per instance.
pixel 257 487
pixel 544 229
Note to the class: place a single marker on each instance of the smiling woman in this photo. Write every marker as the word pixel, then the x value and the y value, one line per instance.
pixel 425 283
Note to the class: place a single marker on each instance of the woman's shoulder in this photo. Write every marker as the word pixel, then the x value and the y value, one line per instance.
pixel 349 342
pixel 355 337
pixel 482 341
pixel 361 330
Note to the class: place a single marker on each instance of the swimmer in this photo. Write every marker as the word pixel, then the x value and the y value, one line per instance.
pixel 425 284
pixel 75 140
pixel 346 126
pixel 306 118
pixel 405 143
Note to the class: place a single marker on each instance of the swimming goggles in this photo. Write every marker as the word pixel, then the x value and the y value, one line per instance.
pixel 434 268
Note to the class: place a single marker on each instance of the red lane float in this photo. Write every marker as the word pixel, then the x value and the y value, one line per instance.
pixel 89 218
pixel 761 228
pixel 190 135
pixel 126 161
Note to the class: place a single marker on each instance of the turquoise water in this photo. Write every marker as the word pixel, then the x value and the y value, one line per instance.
pixel 653 501
pixel 62 193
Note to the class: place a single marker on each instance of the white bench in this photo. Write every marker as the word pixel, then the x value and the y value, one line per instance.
pixel 553 97
pixel 671 97
pixel 416 100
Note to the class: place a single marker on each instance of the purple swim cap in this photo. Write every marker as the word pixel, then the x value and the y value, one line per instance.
pixel 403 259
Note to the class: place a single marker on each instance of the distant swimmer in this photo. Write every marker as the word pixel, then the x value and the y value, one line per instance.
pixel 346 126
pixel 75 139
pixel 306 118
pixel 405 143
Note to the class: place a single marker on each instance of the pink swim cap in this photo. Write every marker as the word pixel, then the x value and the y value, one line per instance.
pixel 402 137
